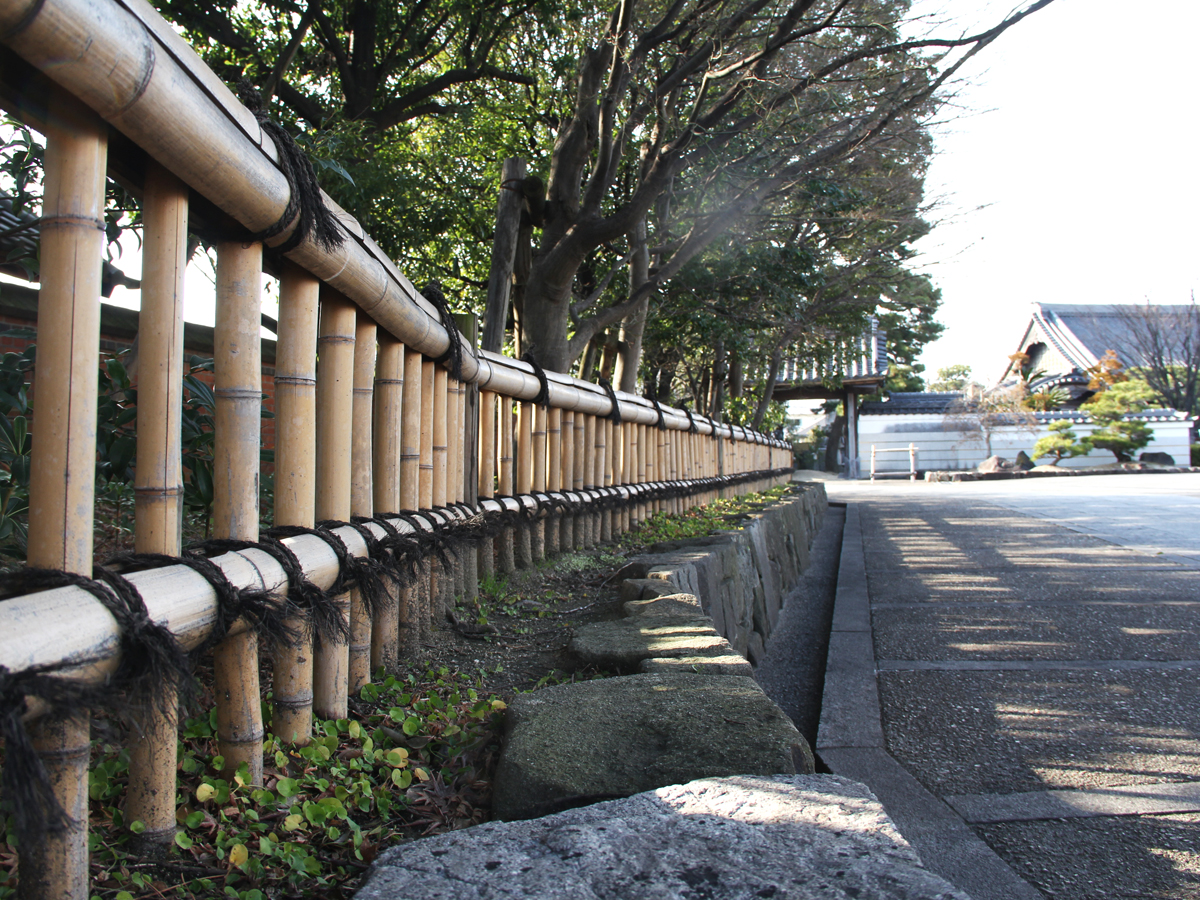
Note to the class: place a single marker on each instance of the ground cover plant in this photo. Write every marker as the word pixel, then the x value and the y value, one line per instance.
pixel 414 757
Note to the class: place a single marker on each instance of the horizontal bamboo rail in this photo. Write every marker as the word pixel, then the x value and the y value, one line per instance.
pixel 381 426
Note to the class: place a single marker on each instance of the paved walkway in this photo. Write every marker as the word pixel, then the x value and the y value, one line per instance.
pixel 1022 694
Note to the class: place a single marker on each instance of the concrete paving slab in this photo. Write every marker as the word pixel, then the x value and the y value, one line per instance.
pixel 1046 632
pixel 966 582
pixel 945 844
pixel 999 732
pixel 1036 666
pixel 1137 858
pixel 1119 800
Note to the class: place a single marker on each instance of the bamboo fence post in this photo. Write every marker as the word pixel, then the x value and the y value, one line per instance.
pixel 624 477
pixel 604 473
pixel 539 479
pixel 524 479
pixel 553 474
pixel 507 562
pixel 295 479
pixel 455 581
pixel 385 485
pixel 62 475
pixel 591 522
pixel 335 420
pixel 578 462
pixel 428 377
pixel 468 325
pixel 362 498
pixel 643 445
pixel 158 475
pixel 412 409
pixel 440 431
pixel 237 378
pixel 440 579
pixel 487 475
pixel 428 578
pixel 566 522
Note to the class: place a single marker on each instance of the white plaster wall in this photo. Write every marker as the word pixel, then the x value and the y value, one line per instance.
pixel 940 449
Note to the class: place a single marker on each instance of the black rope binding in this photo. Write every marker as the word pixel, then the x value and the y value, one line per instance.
pixel 153 669
pixel 368 572
pixel 150 660
pixel 452 358
pixel 543 395
pixel 615 413
pixel 691 422
pixel 266 616
pixel 304 192
pixel 28 794
pixel 662 422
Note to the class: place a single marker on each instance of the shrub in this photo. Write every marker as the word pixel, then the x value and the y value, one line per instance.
pixel 1061 443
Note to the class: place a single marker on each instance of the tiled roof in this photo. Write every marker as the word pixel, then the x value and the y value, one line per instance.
pixel 901 403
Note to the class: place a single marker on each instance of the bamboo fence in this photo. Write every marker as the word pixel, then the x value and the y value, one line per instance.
pixel 378 431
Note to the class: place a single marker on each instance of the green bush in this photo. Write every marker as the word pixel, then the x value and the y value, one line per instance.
pixel 1061 443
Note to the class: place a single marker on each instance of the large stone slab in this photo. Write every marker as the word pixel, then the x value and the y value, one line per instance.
pixel 614 737
pixel 798 837
pixel 623 643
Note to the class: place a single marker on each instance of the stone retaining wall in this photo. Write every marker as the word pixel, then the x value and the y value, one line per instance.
pixel 742 576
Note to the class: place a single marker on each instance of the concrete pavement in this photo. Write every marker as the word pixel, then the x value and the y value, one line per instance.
pixel 1014 670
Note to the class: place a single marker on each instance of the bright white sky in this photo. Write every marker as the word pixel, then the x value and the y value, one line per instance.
pixel 1072 177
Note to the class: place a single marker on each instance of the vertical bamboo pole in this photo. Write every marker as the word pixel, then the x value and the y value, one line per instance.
pixel 385 485
pixel 295 478
pixel 579 463
pixel 238 390
pixel 591 524
pixel 487 474
pixel 553 474
pixel 362 498
pixel 524 478
pixel 412 410
pixel 566 522
pixel 428 377
pixel 335 421
pixel 456 580
pixel 507 561
pixel 440 430
pixel 62 476
pixel 539 478
pixel 158 479
pixel 604 473
pixel 642 468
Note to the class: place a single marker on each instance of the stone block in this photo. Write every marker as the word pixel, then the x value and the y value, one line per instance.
pixel 619 736
pixel 623 643
pixel 798 837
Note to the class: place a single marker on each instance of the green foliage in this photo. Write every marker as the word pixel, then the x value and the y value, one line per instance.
pixel 116 449
pixel 1061 443
pixel 411 761
pixel 701 520
pixel 1108 409
pixel 952 378
pixel 15 445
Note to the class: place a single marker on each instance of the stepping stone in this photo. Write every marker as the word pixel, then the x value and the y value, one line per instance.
pixel 666 605
pixel 612 737
pixel 623 643
pixel 799 837
pixel 730 664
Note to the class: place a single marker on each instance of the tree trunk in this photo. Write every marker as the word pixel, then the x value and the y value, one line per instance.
pixel 717 405
pixel 634 327
pixel 831 448
pixel 737 375
pixel 768 390
pixel 504 252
